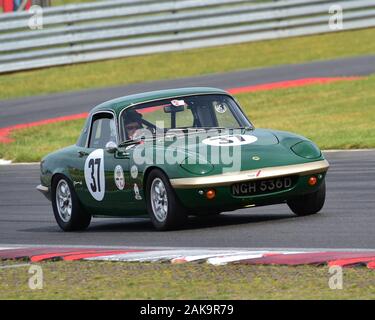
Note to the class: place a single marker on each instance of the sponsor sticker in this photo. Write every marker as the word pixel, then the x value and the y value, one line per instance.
pixel 134 172
pixel 119 177
pixel 220 107
pixel 178 103
pixel 136 192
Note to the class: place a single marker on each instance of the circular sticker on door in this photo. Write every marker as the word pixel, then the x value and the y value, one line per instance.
pixel 134 172
pixel 230 140
pixel 94 174
pixel 119 177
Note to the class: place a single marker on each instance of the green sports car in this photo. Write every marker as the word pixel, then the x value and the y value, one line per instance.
pixel 175 153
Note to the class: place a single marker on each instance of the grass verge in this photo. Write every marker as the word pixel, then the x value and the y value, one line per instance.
pixel 55 3
pixel 175 65
pixel 339 115
pixel 31 144
pixel 116 280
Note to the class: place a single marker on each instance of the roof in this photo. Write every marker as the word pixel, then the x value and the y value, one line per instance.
pixel 119 104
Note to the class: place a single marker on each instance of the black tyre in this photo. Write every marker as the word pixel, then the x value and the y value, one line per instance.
pixel 310 203
pixel 165 210
pixel 69 214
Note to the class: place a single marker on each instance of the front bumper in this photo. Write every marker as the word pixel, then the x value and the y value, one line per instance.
pixel 188 189
pixel 229 178
pixel 45 191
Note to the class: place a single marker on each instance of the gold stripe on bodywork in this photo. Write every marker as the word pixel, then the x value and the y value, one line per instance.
pixel 249 175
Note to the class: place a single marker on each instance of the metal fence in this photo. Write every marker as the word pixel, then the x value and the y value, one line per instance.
pixel 119 28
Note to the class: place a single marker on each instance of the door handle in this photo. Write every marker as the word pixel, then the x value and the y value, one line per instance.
pixel 82 154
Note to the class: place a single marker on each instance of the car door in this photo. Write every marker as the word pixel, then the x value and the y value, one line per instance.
pixel 104 172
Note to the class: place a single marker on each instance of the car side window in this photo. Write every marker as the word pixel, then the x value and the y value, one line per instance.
pixel 103 130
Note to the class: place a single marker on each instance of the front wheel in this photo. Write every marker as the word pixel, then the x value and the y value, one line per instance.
pixel 69 214
pixel 165 210
pixel 310 203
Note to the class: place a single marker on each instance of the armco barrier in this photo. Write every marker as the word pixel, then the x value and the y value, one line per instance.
pixel 119 28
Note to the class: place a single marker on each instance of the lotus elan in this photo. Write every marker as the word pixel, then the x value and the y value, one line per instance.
pixel 173 153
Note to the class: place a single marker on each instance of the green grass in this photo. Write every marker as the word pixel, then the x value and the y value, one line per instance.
pixel 32 144
pixel 339 115
pixel 116 280
pixel 174 65
pixel 55 3
pixel 336 116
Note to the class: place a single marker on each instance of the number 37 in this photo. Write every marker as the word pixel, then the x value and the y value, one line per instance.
pixel 94 165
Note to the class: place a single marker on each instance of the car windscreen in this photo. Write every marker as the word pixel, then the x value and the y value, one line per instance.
pixel 197 111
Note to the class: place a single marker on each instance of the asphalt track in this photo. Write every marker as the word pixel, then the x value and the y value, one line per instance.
pixel 43 107
pixel 347 220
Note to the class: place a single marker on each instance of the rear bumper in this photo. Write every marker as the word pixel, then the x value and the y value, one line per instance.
pixel 45 191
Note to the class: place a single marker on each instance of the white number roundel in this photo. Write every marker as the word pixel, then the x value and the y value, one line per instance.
pixel 230 140
pixel 94 174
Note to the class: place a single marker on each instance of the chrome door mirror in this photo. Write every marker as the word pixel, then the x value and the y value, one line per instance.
pixel 111 147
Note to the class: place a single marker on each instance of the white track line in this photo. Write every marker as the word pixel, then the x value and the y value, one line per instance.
pixel 5 162
pixel 219 261
pixel 9 248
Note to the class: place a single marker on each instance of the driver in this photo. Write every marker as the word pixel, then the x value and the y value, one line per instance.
pixel 132 123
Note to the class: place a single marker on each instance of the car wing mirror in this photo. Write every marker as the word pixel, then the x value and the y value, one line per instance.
pixel 111 147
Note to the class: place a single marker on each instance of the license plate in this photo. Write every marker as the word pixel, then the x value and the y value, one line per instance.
pixel 262 186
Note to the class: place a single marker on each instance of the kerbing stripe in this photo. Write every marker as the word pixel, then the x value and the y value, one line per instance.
pixel 200 257
pixel 233 258
pixel 163 255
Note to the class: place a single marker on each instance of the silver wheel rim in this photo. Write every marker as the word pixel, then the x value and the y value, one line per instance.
pixel 64 201
pixel 159 200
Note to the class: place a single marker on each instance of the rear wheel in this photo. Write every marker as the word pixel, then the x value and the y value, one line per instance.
pixel 69 214
pixel 310 203
pixel 165 210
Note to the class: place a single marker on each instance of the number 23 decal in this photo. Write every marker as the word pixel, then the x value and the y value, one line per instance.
pixel 94 174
